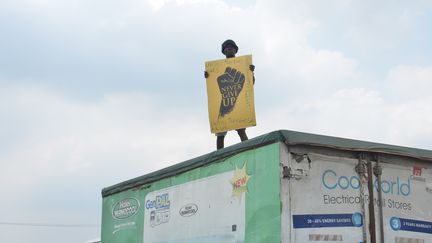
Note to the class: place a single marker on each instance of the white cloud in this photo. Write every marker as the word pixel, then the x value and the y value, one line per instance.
pixel 322 66
pixel 355 113
pixel 65 136
pixel 410 82
pixel 402 116
pixel 69 149
pixel 158 4
pixel 412 124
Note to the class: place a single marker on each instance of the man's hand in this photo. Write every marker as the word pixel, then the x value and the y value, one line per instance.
pixel 252 67
pixel 206 74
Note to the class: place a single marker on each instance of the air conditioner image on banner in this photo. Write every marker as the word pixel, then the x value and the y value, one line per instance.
pixel 200 211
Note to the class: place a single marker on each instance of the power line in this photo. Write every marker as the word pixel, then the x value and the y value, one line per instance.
pixel 50 225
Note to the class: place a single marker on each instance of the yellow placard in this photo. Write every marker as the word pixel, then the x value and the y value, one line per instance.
pixel 230 94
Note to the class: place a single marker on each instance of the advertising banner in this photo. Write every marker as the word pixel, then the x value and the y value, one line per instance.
pixel 230 94
pixel 321 209
pixel 191 212
pixel 329 203
pixel 236 200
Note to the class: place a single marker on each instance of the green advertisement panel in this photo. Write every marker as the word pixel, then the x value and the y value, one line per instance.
pixel 233 200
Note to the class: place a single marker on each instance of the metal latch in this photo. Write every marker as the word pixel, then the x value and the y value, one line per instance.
pixel 297 174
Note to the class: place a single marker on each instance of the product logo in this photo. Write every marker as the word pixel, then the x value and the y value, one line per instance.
pixel 357 219
pixel 417 171
pixel 395 223
pixel 160 202
pixel 239 182
pixel 188 210
pixel 159 209
pixel 331 180
pixel 158 217
pixel 230 85
pixel 125 208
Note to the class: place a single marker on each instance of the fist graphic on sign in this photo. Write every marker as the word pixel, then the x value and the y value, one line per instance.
pixel 230 85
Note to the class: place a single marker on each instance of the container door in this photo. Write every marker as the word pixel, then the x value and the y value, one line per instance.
pixel 407 202
pixel 325 200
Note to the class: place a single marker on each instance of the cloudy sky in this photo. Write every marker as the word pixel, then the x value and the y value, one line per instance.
pixel 93 93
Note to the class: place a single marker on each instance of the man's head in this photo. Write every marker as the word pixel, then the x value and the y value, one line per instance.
pixel 229 48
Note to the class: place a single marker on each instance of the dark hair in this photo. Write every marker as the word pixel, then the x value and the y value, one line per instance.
pixel 229 42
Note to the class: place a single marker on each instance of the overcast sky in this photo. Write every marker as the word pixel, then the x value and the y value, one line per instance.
pixel 93 93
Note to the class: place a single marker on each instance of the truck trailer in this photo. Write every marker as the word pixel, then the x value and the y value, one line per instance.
pixel 284 186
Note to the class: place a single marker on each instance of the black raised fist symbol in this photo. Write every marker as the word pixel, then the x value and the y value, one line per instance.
pixel 230 85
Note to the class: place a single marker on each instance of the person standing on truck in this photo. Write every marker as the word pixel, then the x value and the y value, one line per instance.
pixel 230 49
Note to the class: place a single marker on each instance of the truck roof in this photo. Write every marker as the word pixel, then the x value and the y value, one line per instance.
pixel 286 136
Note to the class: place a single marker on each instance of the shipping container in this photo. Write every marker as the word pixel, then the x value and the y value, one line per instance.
pixel 284 186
